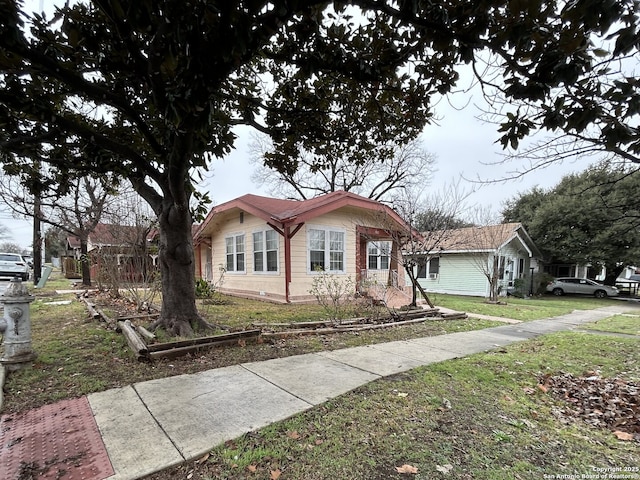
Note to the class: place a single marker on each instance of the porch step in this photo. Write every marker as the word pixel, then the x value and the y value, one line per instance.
pixel 392 297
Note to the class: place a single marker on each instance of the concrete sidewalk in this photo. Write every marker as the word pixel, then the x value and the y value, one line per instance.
pixel 153 425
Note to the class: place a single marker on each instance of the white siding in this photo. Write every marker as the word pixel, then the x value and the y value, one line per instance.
pixel 459 276
pixel 302 278
pixel 263 284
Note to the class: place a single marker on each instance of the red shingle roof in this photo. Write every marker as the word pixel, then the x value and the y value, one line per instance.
pixel 112 235
pixel 297 211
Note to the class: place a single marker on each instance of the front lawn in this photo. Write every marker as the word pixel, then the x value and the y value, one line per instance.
pixel 533 308
pixel 78 355
pixel 626 324
pixel 484 417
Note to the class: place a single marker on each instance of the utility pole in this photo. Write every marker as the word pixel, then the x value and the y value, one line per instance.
pixel 37 228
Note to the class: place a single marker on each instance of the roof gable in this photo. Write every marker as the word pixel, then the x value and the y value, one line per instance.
pixel 292 212
pixel 486 238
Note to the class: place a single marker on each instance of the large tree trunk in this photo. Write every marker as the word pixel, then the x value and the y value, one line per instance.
pixel 179 314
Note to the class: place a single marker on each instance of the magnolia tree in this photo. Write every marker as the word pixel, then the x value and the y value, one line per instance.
pixel 151 90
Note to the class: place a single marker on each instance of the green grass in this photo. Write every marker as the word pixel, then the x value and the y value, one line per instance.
pixel 627 324
pixel 78 355
pixel 56 281
pixel 235 312
pixel 479 417
pixel 533 308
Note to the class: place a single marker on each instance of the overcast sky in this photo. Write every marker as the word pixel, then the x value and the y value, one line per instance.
pixel 464 148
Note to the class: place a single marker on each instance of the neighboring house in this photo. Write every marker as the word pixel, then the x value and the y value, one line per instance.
pixel 273 249
pixel 118 247
pixel 459 263
pixel 575 270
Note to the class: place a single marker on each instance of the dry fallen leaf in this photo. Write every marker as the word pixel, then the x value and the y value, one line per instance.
pixel 402 394
pixel 444 468
pixel 252 468
pixel 275 474
pixel 295 435
pixel 544 388
pixel 203 458
pixel 623 435
pixel 407 469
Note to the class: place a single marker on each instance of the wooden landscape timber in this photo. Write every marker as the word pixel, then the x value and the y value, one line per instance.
pixel 345 327
pixel 135 342
pixel 144 316
pixel 146 334
pixel 91 307
pixel 183 347
pixel 140 340
pixel 453 316
pixel 391 319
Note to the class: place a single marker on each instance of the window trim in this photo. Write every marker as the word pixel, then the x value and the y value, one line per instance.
pixel 265 252
pixel 235 253
pixel 327 249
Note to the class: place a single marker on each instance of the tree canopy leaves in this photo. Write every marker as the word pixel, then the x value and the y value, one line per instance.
pixel 150 90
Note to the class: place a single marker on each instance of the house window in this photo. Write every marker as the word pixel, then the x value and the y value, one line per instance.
pixel 500 268
pixel 265 251
pixel 208 266
pixel 235 252
pixel 422 270
pixel 434 266
pixel 326 249
pixel 378 255
pixel 521 268
pixel 429 269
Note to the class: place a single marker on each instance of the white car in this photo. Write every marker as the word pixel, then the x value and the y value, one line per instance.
pixel 13 265
pixel 584 286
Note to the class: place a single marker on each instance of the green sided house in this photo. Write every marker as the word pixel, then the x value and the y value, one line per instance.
pixel 463 258
pixel 272 249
